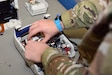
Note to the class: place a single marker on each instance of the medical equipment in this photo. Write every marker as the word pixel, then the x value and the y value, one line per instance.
pixel 60 41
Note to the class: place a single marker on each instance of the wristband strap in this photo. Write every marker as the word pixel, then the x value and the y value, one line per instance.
pixel 58 24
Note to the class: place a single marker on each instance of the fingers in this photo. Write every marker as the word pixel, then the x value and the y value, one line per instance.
pixel 40 26
pixel 27 53
pixel 33 26
pixel 33 31
pixel 36 24
pixel 46 39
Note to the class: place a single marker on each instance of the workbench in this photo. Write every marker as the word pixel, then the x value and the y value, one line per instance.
pixel 11 62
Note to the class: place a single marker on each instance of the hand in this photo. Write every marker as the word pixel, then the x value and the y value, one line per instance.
pixel 34 50
pixel 47 27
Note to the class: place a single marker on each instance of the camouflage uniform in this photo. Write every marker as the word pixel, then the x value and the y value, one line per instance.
pixel 101 64
pixel 83 15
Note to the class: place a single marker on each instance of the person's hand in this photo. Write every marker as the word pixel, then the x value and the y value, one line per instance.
pixel 34 50
pixel 47 27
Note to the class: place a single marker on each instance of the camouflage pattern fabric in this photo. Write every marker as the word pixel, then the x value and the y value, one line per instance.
pixel 83 14
pixel 102 63
pixel 57 64
pixel 95 35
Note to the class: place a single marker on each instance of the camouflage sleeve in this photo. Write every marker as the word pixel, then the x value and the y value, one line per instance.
pixel 83 14
pixel 58 64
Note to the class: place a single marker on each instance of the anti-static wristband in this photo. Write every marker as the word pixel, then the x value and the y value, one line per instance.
pixel 58 24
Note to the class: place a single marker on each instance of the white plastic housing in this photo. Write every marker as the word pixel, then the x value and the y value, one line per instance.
pixel 37 8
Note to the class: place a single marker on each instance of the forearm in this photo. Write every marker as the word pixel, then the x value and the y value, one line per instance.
pixel 95 35
pixel 84 14
pixel 57 64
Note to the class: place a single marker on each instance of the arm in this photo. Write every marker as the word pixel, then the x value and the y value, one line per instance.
pixel 95 34
pixel 46 59
pixel 63 66
pixel 58 64
pixel 83 14
pixel 54 62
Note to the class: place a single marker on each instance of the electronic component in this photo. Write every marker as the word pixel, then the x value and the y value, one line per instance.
pixel 60 41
